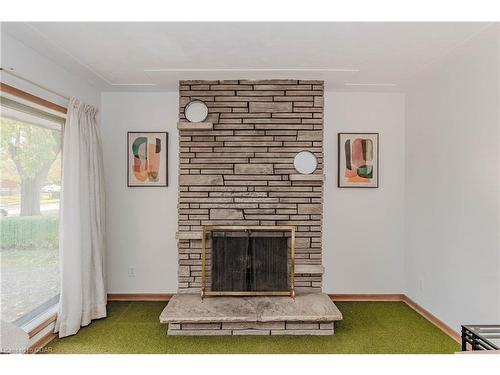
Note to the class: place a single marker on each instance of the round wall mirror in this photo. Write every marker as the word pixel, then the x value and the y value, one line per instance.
pixel 305 162
pixel 196 111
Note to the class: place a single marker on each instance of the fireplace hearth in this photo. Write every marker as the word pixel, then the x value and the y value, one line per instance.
pixel 307 314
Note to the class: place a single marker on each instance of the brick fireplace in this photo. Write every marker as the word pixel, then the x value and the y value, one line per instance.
pixel 236 169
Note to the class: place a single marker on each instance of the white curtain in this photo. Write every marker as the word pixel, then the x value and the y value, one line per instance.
pixel 81 229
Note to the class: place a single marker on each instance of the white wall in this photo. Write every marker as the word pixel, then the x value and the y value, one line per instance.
pixel 363 228
pixel 141 221
pixel 452 185
pixel 31 65
pixel 351 264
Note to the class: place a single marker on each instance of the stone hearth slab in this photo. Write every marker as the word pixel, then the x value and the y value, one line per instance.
pixel 315 307
pixel 189 308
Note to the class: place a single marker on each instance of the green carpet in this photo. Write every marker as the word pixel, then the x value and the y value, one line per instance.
pixel 368 327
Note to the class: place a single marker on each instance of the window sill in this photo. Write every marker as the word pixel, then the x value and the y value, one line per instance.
pixel 41 321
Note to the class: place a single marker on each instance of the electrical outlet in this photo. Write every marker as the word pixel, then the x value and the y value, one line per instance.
pixel 422 286
pixel 131 271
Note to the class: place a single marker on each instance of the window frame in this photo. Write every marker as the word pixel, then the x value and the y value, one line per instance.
pixel 32 99
pixel 33 320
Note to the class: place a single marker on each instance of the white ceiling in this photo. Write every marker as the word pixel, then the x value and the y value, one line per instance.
pixel 123 56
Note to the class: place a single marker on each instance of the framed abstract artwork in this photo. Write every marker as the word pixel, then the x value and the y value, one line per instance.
pixel 147 163
pixel 358 160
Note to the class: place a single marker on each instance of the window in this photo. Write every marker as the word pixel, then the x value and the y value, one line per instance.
pixel 30 184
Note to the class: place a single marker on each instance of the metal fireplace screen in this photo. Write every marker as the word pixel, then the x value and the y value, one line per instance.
pixel 246 263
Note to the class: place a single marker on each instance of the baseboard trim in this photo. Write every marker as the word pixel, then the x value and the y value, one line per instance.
pixel 139 296
pixel 366 297
pixel 403 298
pixel 433 319
pixel 42 343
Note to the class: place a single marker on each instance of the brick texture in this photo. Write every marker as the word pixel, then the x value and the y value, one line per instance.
pixel 251 328
pixel 238 171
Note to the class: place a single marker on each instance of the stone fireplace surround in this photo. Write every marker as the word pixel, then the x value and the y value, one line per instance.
pixel 236 168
